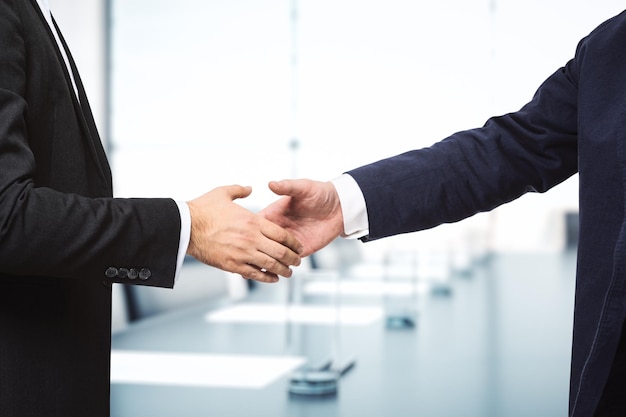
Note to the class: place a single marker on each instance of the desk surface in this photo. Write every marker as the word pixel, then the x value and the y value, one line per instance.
pixel 498 345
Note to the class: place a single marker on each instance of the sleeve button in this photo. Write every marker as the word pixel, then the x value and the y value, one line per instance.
pixel 111 272
pixel 144 274
pixel 133 273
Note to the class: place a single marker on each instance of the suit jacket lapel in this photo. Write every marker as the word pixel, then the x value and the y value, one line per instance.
pixel 82 108
pixel 83 111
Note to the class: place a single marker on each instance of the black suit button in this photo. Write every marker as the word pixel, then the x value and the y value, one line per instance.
pixel 133 273
pixel 122 273
pixel 144 274
pixel 111 272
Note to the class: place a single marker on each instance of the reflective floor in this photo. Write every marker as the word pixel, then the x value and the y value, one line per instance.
pixel 497 343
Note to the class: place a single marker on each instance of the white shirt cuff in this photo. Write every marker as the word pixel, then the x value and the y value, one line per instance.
pixel 355 221
pixel 185 235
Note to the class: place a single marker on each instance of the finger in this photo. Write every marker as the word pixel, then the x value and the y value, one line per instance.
pixel 276 259
pixel 257 274
pixel 278 234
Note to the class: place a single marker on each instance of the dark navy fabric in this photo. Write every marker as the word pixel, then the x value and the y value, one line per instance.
pixel 574 123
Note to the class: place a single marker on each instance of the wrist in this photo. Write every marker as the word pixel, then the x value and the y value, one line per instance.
pixel 353 210
pixel 192 248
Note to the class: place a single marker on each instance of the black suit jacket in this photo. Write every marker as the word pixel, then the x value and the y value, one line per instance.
pixel 63 238
pixel 576 122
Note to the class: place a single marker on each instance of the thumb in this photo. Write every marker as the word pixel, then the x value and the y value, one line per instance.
pixel 292 188
pixel 237 191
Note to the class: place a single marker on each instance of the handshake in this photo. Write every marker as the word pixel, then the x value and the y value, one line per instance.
pixel 263 246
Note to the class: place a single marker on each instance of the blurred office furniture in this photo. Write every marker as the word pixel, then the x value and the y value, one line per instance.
pixel 571 229
pixel 339 255
pixel 394 281
pixel 119 312
pixel 326 362
pixel 499 347
pixel 400 289
pixel 320 374
pixel 435 267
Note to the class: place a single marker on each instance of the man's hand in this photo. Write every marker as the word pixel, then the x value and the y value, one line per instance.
pixel 310 210
pixel 227 236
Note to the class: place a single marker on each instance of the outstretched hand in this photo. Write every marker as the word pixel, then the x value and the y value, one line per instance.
pixel 309 210
pixel 227 236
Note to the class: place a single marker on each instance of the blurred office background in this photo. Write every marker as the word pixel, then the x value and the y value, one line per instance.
pixel 190 95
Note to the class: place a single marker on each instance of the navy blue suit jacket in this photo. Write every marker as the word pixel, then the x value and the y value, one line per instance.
pixel 63 239
pixel 576 122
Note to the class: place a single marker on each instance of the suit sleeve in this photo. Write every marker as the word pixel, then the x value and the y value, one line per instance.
pixel 477 170
pixel 50 233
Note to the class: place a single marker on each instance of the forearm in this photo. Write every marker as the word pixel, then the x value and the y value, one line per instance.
pixel 476 170
pixel 48 233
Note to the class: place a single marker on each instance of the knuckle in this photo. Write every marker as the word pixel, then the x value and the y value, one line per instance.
pixel 272 264
pixel 282 235
pixel 282 252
